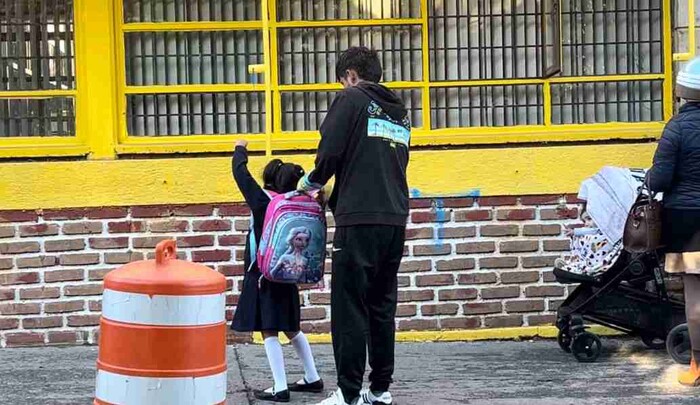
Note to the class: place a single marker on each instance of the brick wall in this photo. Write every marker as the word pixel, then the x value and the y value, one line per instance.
pixel 469 263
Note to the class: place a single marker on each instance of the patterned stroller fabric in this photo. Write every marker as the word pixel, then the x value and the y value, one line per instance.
pixel 609 196
pixel 591 253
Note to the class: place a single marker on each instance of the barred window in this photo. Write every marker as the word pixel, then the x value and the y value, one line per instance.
pixel 196 114
pixel 309 55
pixel 215 57
pixel 304 111
pixel 315 10
pixel 136 11
pixel 590 103
pixel 493 39
pixel 467 63
pixel 610 37
pixel 37 54
pixel 486 106
pixel 485 39
pixel 193 58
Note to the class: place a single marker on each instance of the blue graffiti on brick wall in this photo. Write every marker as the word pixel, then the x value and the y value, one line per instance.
pixel 438 207
pixel 471 193
pixel 440 214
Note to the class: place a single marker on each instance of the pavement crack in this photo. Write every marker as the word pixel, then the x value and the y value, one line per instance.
pixel 246 386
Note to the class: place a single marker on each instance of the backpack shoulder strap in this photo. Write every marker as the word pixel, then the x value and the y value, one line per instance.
pixel 253 250
pixel 251 234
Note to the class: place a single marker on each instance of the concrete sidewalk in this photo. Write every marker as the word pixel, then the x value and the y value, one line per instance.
pixel 495 373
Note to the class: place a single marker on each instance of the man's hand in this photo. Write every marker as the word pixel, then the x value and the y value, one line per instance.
pixel 314 190
pixel 320 196
pixel 242 143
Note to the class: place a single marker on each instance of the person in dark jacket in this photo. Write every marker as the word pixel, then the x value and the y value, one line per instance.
pixel 264 306
pixel 365 141
pixel 676 173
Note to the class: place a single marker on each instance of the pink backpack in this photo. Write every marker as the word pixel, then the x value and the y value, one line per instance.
pixel 293 244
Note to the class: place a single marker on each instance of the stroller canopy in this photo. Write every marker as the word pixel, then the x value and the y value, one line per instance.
pixel 609 195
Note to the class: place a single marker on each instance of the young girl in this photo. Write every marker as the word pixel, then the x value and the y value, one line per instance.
pixel 268 307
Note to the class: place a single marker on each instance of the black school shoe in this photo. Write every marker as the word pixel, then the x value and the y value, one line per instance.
pixel 282 396
pixel 315 387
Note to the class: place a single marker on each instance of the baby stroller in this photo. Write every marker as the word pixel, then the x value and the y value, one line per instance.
pixel 631 295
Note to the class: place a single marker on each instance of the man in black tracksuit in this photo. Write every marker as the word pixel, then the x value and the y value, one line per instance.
pixel 365 142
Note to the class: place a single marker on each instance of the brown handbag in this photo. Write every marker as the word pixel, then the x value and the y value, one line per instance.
pixel 643 227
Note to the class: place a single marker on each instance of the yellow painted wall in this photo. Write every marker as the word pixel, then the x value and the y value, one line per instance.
pixel 497 171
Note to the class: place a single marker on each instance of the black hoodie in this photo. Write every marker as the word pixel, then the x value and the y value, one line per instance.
pixel 365 140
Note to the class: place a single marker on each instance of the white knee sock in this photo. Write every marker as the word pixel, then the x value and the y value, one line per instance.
pixel 303 349
pixel 273 348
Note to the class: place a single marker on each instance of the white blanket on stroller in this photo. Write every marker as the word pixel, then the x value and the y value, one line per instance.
pixel 610 194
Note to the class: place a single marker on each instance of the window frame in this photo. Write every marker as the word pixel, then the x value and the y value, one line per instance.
pixel 551 21
pixel 53 146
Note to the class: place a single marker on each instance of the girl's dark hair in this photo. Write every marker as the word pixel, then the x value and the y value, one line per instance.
pixel 282 177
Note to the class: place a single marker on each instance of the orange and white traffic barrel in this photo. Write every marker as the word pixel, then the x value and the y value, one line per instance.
pixel 162 333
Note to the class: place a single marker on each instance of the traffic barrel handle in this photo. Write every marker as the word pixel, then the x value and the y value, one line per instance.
pixel 165 250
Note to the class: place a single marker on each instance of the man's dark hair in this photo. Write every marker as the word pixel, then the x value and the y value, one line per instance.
pixel 363 60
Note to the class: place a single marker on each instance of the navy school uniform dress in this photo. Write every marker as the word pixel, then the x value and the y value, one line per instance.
pixel 262 305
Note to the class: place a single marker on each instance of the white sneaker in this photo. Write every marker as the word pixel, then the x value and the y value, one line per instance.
pixel 336 398
pixel 367 397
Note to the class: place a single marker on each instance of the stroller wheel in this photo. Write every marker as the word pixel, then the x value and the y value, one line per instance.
pixel 678 344
pixel 636 268
pixel 653 342
pixel 564 340
pixel 586 347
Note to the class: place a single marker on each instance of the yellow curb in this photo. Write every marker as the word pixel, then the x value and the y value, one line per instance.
pixel 465 335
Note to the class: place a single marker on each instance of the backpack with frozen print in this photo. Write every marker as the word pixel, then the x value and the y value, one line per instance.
pixel 293 243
